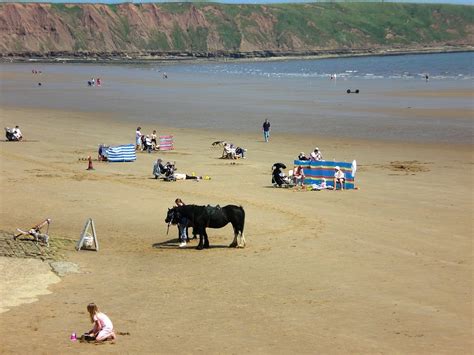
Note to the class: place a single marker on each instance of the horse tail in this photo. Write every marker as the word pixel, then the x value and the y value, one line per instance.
pixel 243 217
pixel 242 236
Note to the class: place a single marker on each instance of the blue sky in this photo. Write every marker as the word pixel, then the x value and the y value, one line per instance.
pixel 464 2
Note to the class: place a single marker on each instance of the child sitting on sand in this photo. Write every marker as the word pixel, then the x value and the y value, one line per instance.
pixel 103 328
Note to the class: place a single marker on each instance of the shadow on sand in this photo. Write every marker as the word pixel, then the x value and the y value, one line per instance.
pixel 174 244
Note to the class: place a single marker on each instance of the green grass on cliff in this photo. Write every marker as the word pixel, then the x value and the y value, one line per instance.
pixel 287 26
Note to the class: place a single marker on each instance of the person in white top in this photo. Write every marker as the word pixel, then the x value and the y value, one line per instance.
pixel 339 177
pixel 316 155
pixel 138 138
pixel 17 133
pixel 103 328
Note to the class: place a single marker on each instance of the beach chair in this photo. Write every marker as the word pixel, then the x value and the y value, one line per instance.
pixel 35 232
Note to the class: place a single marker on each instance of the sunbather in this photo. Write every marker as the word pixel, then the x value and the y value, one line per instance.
pixel 181 176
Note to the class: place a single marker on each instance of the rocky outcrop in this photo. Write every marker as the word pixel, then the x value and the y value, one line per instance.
pixel 187 30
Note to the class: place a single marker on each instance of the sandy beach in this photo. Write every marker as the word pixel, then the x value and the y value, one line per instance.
pixel 383 269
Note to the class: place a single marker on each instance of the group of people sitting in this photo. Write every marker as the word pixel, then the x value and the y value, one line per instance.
pixel 231 151
pixel 147 142
pixel 13 134
pixel 167 172
pixel 339 178
pixel 315 155
pixel 295 177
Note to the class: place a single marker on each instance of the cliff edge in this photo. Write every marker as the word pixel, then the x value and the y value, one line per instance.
pixel 206 30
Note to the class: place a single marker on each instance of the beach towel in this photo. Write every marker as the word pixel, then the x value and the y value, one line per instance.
pixel 121 153
pixel 315 171
pixel 166 143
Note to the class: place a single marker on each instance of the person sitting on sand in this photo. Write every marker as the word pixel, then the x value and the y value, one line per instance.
pixel 229 151
pixel 103 328
pixel 240 152
pixel 147 145
pixel 17 133
pixel 159 169
pixel 302 156
pixel 339 178
pixel 101 156
pixel 316 155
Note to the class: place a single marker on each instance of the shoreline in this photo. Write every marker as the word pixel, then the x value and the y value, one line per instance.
pixel 194 57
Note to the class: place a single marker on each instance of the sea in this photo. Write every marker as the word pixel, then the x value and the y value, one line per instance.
pixel 396 94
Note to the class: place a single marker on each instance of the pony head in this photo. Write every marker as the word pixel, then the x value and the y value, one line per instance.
pixel 172 217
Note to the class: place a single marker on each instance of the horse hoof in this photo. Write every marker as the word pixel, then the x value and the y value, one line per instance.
pixel 199 247
pixel 206 246
pixel 233 245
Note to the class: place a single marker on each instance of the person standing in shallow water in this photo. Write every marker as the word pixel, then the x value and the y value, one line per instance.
pixel 266 130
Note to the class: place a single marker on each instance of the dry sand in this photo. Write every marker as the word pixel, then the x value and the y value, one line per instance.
pixel 383 269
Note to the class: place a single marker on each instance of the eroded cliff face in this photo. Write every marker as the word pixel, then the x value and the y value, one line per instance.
pixel 207 29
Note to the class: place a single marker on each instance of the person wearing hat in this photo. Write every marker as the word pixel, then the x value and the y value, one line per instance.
pixel 339 178
pixel 316 155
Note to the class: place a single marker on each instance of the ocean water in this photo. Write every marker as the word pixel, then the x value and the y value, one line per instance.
pixel 298 96
pixel 407 67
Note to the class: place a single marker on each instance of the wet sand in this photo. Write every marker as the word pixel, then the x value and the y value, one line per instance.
pixel 383 269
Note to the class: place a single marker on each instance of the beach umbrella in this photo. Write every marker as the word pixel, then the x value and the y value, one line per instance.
pixel 279 166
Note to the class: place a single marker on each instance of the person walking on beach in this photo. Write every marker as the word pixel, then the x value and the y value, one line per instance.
pixel 266 130
pixel 138 138
pixel 103 328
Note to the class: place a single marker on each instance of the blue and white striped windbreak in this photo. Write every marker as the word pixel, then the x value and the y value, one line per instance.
pixel 121 153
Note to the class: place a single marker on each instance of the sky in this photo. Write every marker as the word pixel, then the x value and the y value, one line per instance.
pixel 463 2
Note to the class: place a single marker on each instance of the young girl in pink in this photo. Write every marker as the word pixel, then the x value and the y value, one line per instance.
pixel 103 328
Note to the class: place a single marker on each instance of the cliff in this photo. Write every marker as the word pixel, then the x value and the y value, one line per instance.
pixel 204 29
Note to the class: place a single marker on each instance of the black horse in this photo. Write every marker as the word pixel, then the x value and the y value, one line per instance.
pixel 202 217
